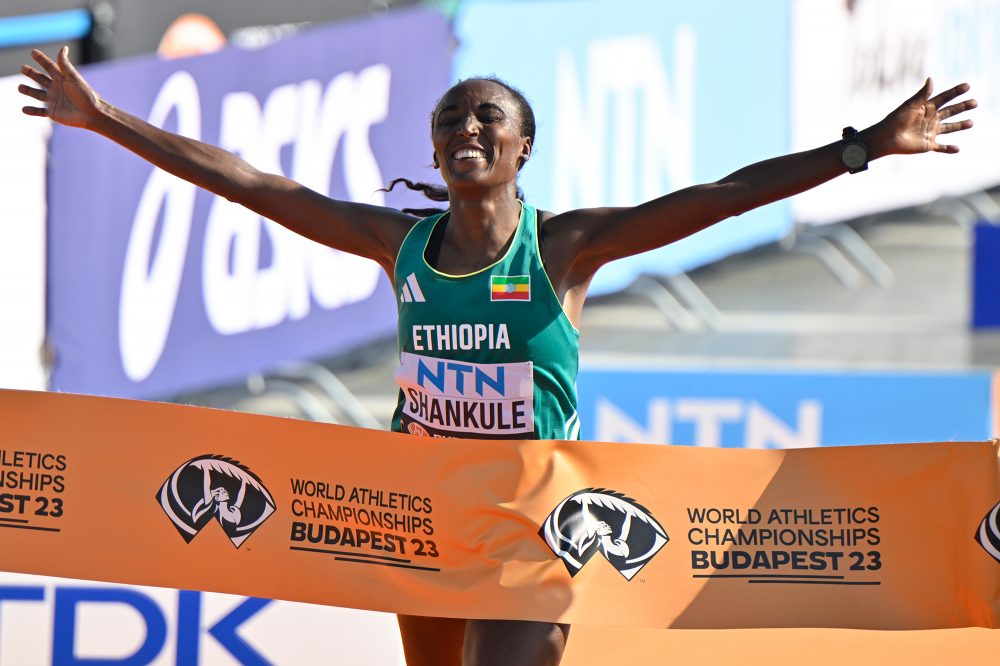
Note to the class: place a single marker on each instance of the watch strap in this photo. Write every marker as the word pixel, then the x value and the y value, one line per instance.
pixel 852 137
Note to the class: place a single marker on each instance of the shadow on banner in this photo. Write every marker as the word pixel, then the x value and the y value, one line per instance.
pixel 874 537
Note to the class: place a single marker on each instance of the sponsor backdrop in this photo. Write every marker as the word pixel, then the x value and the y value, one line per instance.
pixel 156 287
pixel 635 99
pixel 766 409
pixel 986 276
pixel 874 537
pixel 42 618
pixel 60 621
pixel 589 120
pixel 22 241
pixel 855 61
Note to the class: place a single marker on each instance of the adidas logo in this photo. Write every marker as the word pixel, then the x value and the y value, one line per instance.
pixel 411 291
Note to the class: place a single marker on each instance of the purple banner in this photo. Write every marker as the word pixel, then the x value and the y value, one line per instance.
pixel 156 287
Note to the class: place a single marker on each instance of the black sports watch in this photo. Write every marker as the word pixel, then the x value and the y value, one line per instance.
pixel 853 152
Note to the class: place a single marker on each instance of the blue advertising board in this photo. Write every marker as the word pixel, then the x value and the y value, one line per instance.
pixel 639 98
pixel 156 287
pixel 63 621
pixel 986 276
pixel 781 409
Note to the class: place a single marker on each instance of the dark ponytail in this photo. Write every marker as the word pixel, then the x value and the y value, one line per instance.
pixel 432 192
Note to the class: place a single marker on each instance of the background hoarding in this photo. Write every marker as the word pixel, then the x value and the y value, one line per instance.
pixel 720 409
pixel 637 99
pixel 853 62
pixel 156 287
pixel 773 408
pixel 60 621
pixel 22 241
pixel 986 276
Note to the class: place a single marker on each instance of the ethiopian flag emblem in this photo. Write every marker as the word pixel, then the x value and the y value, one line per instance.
pixel 510 287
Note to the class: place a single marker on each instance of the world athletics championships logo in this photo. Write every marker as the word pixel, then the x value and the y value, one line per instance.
pixel 213 486
pixel 988 534
pixel 596 520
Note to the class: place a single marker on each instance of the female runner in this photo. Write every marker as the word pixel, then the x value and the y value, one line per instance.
pixel 491 292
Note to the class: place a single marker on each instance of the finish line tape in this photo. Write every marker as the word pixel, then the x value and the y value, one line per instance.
pixel 873 537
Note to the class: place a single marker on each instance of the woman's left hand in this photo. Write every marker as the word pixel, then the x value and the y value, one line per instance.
pixel 914 127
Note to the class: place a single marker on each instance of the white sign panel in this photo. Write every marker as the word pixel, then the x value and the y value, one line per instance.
pixel 23 143
pixel 854 62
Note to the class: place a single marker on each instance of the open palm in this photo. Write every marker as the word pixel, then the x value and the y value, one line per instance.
pixel 914 127
pixel 68 99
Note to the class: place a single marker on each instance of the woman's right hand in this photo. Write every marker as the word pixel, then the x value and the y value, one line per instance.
pixel 68 99
pixel 373 232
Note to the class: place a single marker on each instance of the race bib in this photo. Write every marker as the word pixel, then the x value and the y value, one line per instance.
pixel 447 398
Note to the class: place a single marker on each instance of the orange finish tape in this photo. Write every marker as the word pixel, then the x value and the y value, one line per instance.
pixel 874 537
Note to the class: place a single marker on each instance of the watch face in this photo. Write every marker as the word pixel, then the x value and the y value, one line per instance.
pixel 854 155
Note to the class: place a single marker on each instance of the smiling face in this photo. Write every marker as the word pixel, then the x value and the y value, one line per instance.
pixel 476 131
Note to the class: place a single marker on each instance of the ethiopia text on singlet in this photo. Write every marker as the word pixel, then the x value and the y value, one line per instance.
pixel 448 337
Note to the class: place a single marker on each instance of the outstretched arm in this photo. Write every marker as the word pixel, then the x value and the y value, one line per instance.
pixel 369 231
pixel 582 241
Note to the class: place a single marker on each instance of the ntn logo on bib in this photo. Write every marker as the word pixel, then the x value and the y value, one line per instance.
pixel 457 398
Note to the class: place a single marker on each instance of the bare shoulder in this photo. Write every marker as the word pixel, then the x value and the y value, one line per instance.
pixel 573 223
pixel 565 241
pixel 367 230
pixel 571 232
pixel 395 225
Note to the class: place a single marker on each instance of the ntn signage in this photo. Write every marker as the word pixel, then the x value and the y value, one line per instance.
pixel 782 409
pixel 629 111
pixel 711 422
pixel 436 373
pixel 614 132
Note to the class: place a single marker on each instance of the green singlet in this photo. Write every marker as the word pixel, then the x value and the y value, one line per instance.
pixel 488 355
